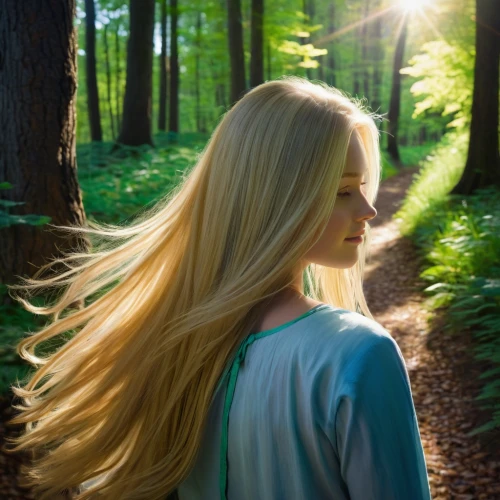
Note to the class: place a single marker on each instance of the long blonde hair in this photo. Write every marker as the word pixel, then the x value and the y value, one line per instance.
pixel 178 289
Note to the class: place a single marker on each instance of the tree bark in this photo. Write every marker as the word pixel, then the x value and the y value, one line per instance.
pixel 482 167
pixel 173 125
pixel 394 107
pixel 92 89
pixel 257 44
pixel 162 116
pixel 136 124
pixel 236 54
pixel 38 68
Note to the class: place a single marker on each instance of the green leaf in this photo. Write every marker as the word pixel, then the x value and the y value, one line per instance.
pixel 8 203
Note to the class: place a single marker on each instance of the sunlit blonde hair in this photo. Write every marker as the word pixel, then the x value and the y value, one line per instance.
pixel 127 395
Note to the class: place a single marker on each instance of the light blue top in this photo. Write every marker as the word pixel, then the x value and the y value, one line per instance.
pixel 317 408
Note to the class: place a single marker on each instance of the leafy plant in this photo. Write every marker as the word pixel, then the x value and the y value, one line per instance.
pixel 7 219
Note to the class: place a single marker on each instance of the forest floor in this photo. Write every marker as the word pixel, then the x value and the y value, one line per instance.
pixel 443 374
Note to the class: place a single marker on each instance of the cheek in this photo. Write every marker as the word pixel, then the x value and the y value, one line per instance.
pixel 334 233
pixel 336 226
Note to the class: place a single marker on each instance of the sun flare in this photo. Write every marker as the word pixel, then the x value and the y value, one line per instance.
pixel 412 5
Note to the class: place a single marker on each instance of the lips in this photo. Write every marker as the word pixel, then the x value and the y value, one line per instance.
pixel 356 235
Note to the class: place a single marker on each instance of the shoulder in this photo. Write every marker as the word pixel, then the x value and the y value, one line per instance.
pixel 339 333
pixel 339 345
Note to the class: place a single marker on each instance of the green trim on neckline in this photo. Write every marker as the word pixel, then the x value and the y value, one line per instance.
pixel 233 370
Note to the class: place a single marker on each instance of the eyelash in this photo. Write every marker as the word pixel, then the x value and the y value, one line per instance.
pixel 342 195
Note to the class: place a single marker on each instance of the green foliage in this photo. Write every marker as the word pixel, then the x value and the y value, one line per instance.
pixel 460 241
pixel 7 219
pixel 115 187
pixel 14 322
pixel 446 81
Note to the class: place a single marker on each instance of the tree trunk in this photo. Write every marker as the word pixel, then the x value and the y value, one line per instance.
pixel 162 116
pixel 237 56
pixel 330 61
pixel 108 80
pixel 356 59
pixel 377 57
pixel 306 40
pixel 482 167
pixel 173 125
pixel 364 50
pixel 269 66
pixel 219 70
pixel 37 143
pixel 118 77
pixel 257 44
pixel 92 90
pixel 393 116
pixel 197 78
pixel 136 125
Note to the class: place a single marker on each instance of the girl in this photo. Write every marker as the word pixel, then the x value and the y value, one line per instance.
pixel 231 354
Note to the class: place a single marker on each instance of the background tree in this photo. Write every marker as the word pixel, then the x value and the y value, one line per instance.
pixel 395 102
pixel 173 125
pixel 108 79
pixel 92 90
pixel 37 118
pixel 237 57
pixel 257 44
pixel 482 167
pixel 162 116
pixel 136 124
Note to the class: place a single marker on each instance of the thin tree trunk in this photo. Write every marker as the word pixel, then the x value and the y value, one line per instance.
pixel 218 70
pixel 364 51
pixel 237 57
pixel 306 40
pixel 197 72
pixel 108 80
pixel 173 125
pixel 118 77
pixel 482 167
pixel 136 126
pixel 92 89
pixel 394 107
pixel 330 61
pixel 38 122
pixel 377 56
pixel 257 43
pixel 356 63
pixel 162 116
pixel 269 66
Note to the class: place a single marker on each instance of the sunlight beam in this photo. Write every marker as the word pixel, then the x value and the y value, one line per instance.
pixel 350 27
pixel 414 5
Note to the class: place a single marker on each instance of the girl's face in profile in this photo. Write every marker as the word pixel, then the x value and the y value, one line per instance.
pixel 349 216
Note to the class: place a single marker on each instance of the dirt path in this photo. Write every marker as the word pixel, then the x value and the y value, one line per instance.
pixel 442 372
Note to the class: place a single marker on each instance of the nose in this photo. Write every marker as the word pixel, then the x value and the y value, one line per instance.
pixel 368 212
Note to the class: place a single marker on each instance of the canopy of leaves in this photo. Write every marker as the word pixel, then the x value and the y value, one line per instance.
pixel 446 80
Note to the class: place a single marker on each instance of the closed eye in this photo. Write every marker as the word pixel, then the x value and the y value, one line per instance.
pixel 342 195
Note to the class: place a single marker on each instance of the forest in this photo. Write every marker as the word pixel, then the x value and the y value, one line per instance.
pixel 106 104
